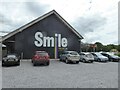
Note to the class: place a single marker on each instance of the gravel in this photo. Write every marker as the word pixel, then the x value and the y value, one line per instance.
pixel 61 75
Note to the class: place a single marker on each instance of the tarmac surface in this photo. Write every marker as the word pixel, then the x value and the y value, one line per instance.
pixel 61 75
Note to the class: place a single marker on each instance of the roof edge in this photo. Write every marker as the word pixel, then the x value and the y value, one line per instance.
pixel 37 20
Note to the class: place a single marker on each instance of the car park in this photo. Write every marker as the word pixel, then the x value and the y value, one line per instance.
pixel 41 57
pixel 70 56
pixel 111 57
pixel 11 59
pixel 86 57
pixel 99 57
pixel 58 74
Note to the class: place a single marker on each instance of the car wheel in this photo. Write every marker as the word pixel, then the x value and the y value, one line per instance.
pixel 47 63
pixel 91 61
pixel 77 62
pixel 3 64
pixel 32 61
pixel 60 59
pixel 34 64
pixel 18 64
pixel 111 60
pixel 66 61
pixel 84 60
pixel 98 60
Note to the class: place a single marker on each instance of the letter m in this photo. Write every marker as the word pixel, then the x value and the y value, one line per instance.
pixel 48 41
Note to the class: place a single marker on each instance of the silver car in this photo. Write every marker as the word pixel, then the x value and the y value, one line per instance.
pixel 70 56
pixel 99 57
pixel 86 57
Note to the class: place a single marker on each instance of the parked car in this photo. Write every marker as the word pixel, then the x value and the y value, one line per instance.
pixel 86 57
pixel 41 57
pixel 70 56
pixel 111 57
pixel 99 57
pixel 11 59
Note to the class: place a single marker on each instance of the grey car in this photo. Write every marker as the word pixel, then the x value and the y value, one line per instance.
pixel 70 56
pixel 99 57
pixel 86 57
pixel 111 57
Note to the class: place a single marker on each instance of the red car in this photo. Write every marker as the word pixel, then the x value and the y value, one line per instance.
pixel 41 57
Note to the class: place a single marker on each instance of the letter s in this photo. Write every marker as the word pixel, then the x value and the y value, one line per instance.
pixel 39 41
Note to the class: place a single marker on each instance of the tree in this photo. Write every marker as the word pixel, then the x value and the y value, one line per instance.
pixel 118 47
pixel 105 48
pixel 86 47
pixel 99 46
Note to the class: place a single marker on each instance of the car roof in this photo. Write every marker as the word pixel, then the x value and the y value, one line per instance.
pixel 70 51
pixel 12 54
pixel 40 51
pixel 85 53
pixel 97 53
pixel 109 53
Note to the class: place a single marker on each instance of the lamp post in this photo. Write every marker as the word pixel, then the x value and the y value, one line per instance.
pixel 80 45
pixel 56 47
pixel 1 61
pixel 0 47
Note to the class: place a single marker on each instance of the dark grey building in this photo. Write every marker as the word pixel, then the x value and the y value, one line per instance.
pixel 49 32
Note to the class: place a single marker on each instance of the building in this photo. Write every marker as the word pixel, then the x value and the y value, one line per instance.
pixel 49 32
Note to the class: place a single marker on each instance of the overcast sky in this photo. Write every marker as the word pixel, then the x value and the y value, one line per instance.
pixel 95 20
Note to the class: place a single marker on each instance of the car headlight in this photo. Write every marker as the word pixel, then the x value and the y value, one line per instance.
pixel 16 59
pixel 5 59
pixel 68 55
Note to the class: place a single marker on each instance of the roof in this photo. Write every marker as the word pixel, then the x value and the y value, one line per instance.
pixel 2 45
pixel 39 19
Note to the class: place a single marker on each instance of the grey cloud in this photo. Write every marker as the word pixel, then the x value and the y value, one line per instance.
pixel 4 20
pixel 7 21
pixel 89 23
pixel 1 18
pixel 4 17
pixel 36 8
pixel 8 24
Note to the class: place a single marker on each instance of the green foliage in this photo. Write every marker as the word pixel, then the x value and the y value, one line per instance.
pixel 118 54
pixel 107 48
pixel 100 47
pixel 118 48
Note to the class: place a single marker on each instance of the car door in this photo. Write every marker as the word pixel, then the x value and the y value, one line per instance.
pixel 63 56
pixel 95 56
pixel 82 56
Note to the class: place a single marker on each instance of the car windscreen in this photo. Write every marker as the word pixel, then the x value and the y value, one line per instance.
pixel 82 54
pixel 114 56
pixel 42 54
pixel 65 52
pixel 73 53
pixel 11 56
pixel 89 55
pixel 98 54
